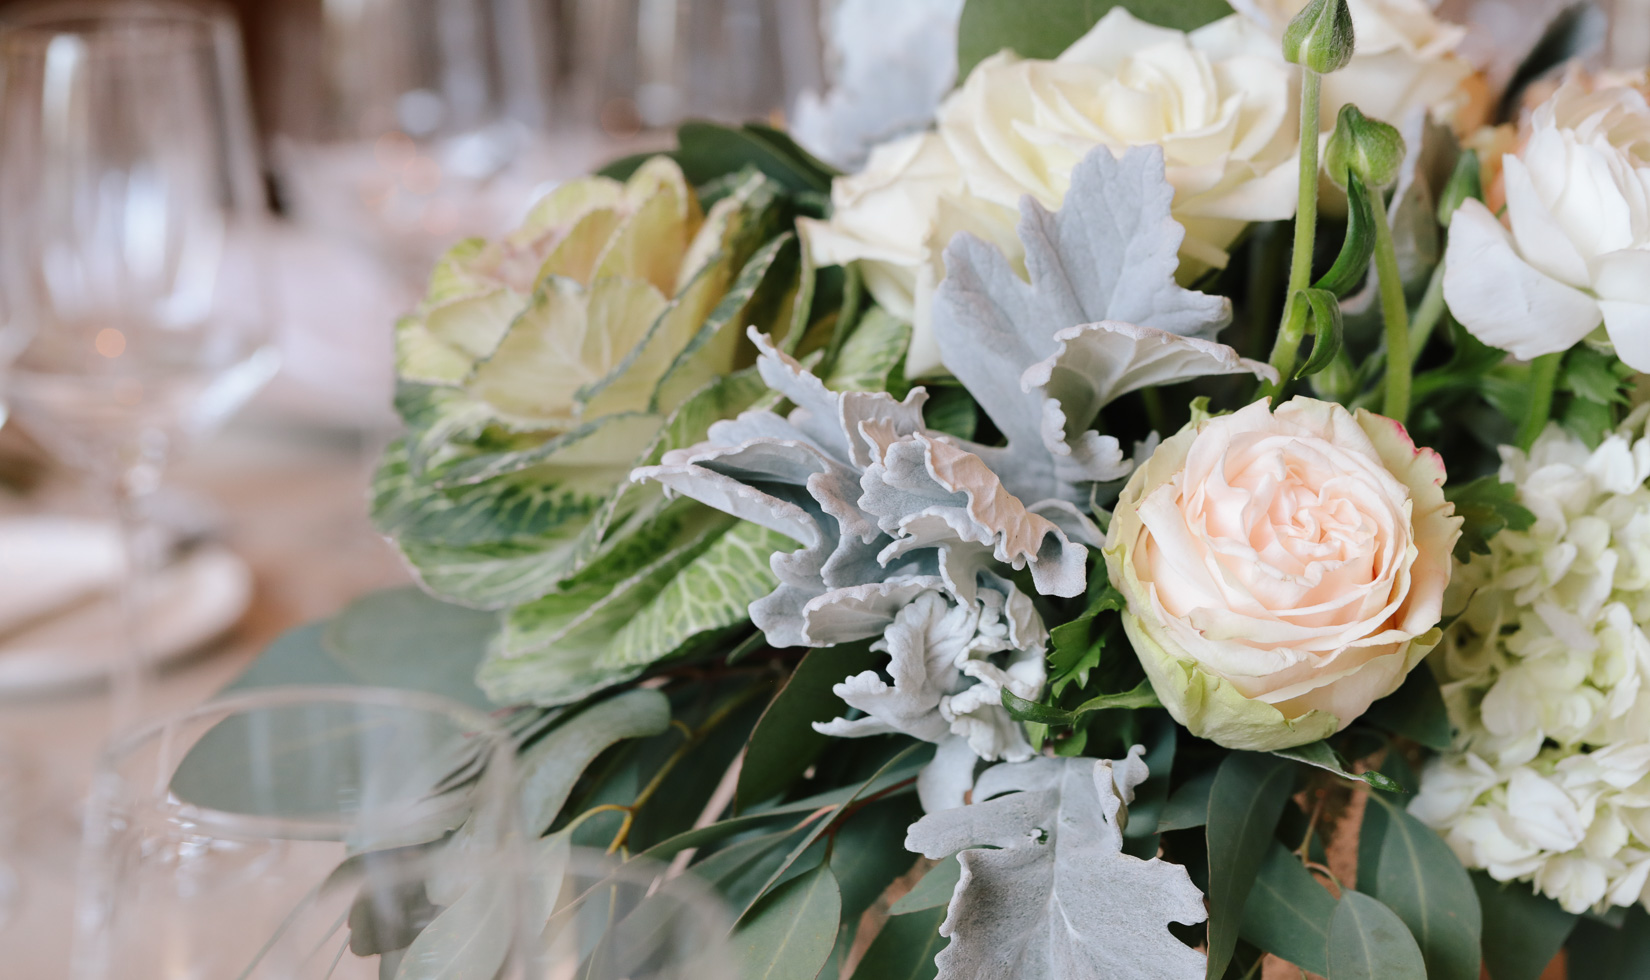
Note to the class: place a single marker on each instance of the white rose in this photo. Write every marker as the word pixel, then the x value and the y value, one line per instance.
pixel 1405 58
pixel 1283 570
pixel 1220 101
pixel 1578 249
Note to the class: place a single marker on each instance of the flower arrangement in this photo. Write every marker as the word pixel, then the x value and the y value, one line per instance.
pixel 1177 507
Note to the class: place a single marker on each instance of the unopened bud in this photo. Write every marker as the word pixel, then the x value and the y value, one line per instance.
pixel 1363 146
pixel 1320 37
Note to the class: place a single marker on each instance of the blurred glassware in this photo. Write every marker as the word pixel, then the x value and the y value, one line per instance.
pixel 131 253
pixel 630 920
pixel 419 123
pixel 306 833
pixel 649 64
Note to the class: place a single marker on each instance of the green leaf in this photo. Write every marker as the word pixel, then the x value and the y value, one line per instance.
pixel 822 825
pixel 708 151
pixel 871 354
pixel 1523 931
pixel 933 891
pixel 1600 952
pixel 1320 755
pixel 1076 647
pixel 1143 696
pixel 1415 711
pixel 1324 323
pixel 1188 806
pixel 405 639
pixel 784 743
pixel 1423 882
pixel 869 852
pixel 1368 942
pixel 1045 28
pixel 789 934
pixel 469 940
pixel 1356 249
pixel 550 767
pixel 905 948
pixel 1245 803
pixel 1288 912
pixel 951 410
pixel 1488 507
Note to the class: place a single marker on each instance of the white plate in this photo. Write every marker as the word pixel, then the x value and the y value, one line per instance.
pixel 191 602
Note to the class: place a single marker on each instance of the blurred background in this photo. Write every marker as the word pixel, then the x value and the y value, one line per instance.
pixel 381 131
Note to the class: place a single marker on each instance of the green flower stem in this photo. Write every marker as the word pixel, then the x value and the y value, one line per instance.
pixel 1428 313
pixel 1293 329
pixel 1543 377
pixel 1395 314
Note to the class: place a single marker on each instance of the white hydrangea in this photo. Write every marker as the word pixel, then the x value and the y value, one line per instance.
pixel 1544 674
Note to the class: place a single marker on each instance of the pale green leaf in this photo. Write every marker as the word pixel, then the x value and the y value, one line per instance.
pixel 790 933
pixel 871 354
pixel 550 767
pixel 1368 942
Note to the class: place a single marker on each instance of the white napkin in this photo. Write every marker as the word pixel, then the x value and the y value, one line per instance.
pixel 48 564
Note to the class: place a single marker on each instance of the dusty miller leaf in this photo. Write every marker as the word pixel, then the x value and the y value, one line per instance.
pixel 1046 891
pixel 1101 316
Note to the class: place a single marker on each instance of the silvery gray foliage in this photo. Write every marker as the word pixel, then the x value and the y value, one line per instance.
pixel 1046 891
pixel 895 62
pixel 1101 316
pixel 884 508
pixel 949 664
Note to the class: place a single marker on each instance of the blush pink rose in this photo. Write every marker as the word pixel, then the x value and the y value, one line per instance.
pixel 1283 570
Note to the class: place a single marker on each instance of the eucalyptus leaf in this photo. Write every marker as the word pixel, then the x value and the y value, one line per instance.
pixel 552 765
pixel 1321 755
pixel 470 940
pixel 1288 912
pixel 785 743
pixel 933 891
pixel 906 947
pixel 1368 942
pixel 1415 711
pixel 1423 882
pixel 1045 28
pixel 1188 806
pixel 1601 952
pixel 1523 931
pixel 1245 803
pixel 789 934
pixel 868 853
pixel 403 638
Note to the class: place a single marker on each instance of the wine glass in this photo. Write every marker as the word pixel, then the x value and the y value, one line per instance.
pixel 409 124
pixel 130 248
pixel 307 834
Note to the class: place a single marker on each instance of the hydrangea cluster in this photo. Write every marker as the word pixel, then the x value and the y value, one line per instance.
pixel 1544 675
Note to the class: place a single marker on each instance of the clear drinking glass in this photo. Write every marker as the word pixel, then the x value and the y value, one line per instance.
pixel 307 834
pixel 130 244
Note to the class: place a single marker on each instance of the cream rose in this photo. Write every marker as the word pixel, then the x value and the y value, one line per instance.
pixel 1218 100
pixel 1576 249
pixel 1283 570
pixel 1405 59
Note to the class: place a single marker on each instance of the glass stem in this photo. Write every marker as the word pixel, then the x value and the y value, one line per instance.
pixel 1293 329
pixel 1394 313
pixel 134 486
